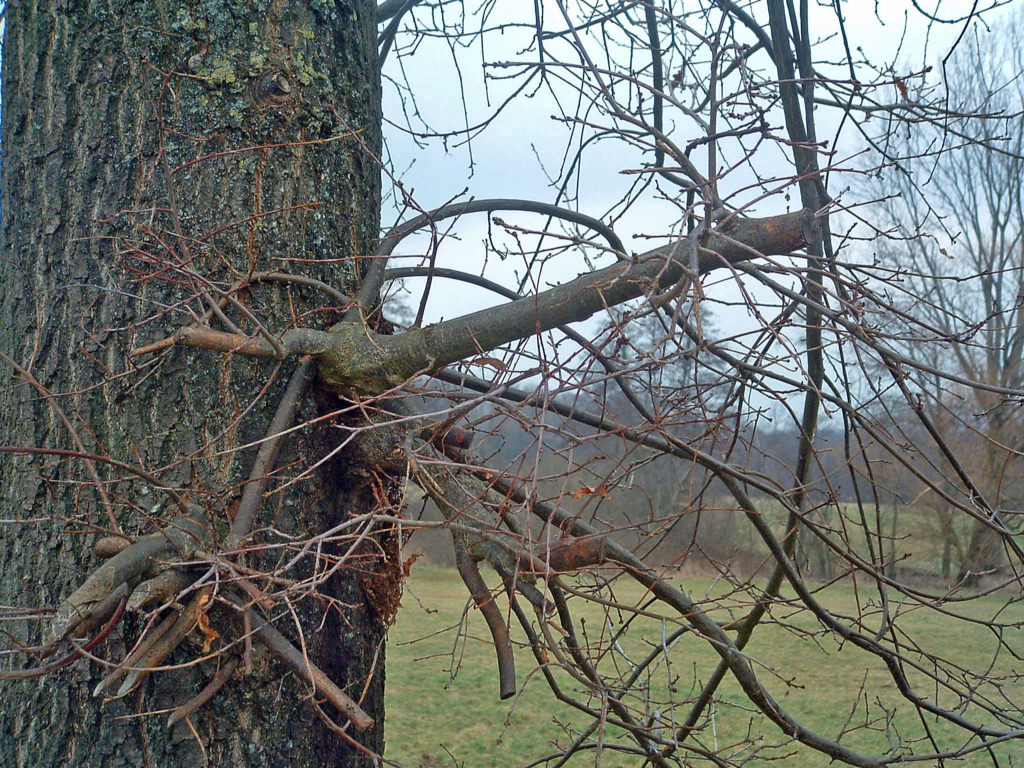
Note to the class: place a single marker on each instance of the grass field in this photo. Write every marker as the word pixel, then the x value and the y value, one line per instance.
pixel 436 719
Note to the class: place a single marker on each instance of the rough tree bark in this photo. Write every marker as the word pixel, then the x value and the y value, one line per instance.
pixel 102 105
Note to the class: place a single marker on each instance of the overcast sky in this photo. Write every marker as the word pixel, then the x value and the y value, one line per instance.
pixel 524 147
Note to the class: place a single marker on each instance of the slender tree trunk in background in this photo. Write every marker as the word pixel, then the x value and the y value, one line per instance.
pixel 93 93
pixel 985 554
pixel 998 474
pixel 945 516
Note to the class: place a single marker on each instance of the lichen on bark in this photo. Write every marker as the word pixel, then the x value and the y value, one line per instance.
pixel 139 155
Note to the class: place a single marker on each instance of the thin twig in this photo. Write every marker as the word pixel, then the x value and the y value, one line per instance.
pixel 209 691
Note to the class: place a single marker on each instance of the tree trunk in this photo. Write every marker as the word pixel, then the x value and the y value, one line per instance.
pixel 985 555
pixel 102 105
pixel 998 468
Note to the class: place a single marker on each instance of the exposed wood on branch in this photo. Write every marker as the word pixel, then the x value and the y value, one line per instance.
pixel 299 341
pixel 125 567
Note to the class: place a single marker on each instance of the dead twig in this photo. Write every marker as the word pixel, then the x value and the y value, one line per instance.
pixel 208 692
pixel 273 640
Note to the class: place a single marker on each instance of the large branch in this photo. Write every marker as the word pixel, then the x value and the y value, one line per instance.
pixel 360 359
pixel 351 357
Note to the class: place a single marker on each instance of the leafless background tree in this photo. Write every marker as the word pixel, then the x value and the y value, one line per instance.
pixel 752 374
pixel 955 219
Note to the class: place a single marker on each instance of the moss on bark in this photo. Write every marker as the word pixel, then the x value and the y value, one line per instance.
pixel 107 108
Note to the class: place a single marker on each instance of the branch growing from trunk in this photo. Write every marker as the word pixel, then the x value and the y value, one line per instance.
pixel 371 363
pixel 126 567
pixel 353 358
pixel 297 660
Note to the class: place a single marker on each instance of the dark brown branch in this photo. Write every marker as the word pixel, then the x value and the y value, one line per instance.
pixel 495 623
pixel 184 623
pixel 158 590
pixel 298 341
pixel 106 547
pixel 259 475
pixel 209 691
pixel 145 644
pixel 279 644
pixel 575 554
pixel 351 357
pixel 369 293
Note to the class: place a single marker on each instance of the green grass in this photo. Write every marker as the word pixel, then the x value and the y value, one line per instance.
pixel 439 719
